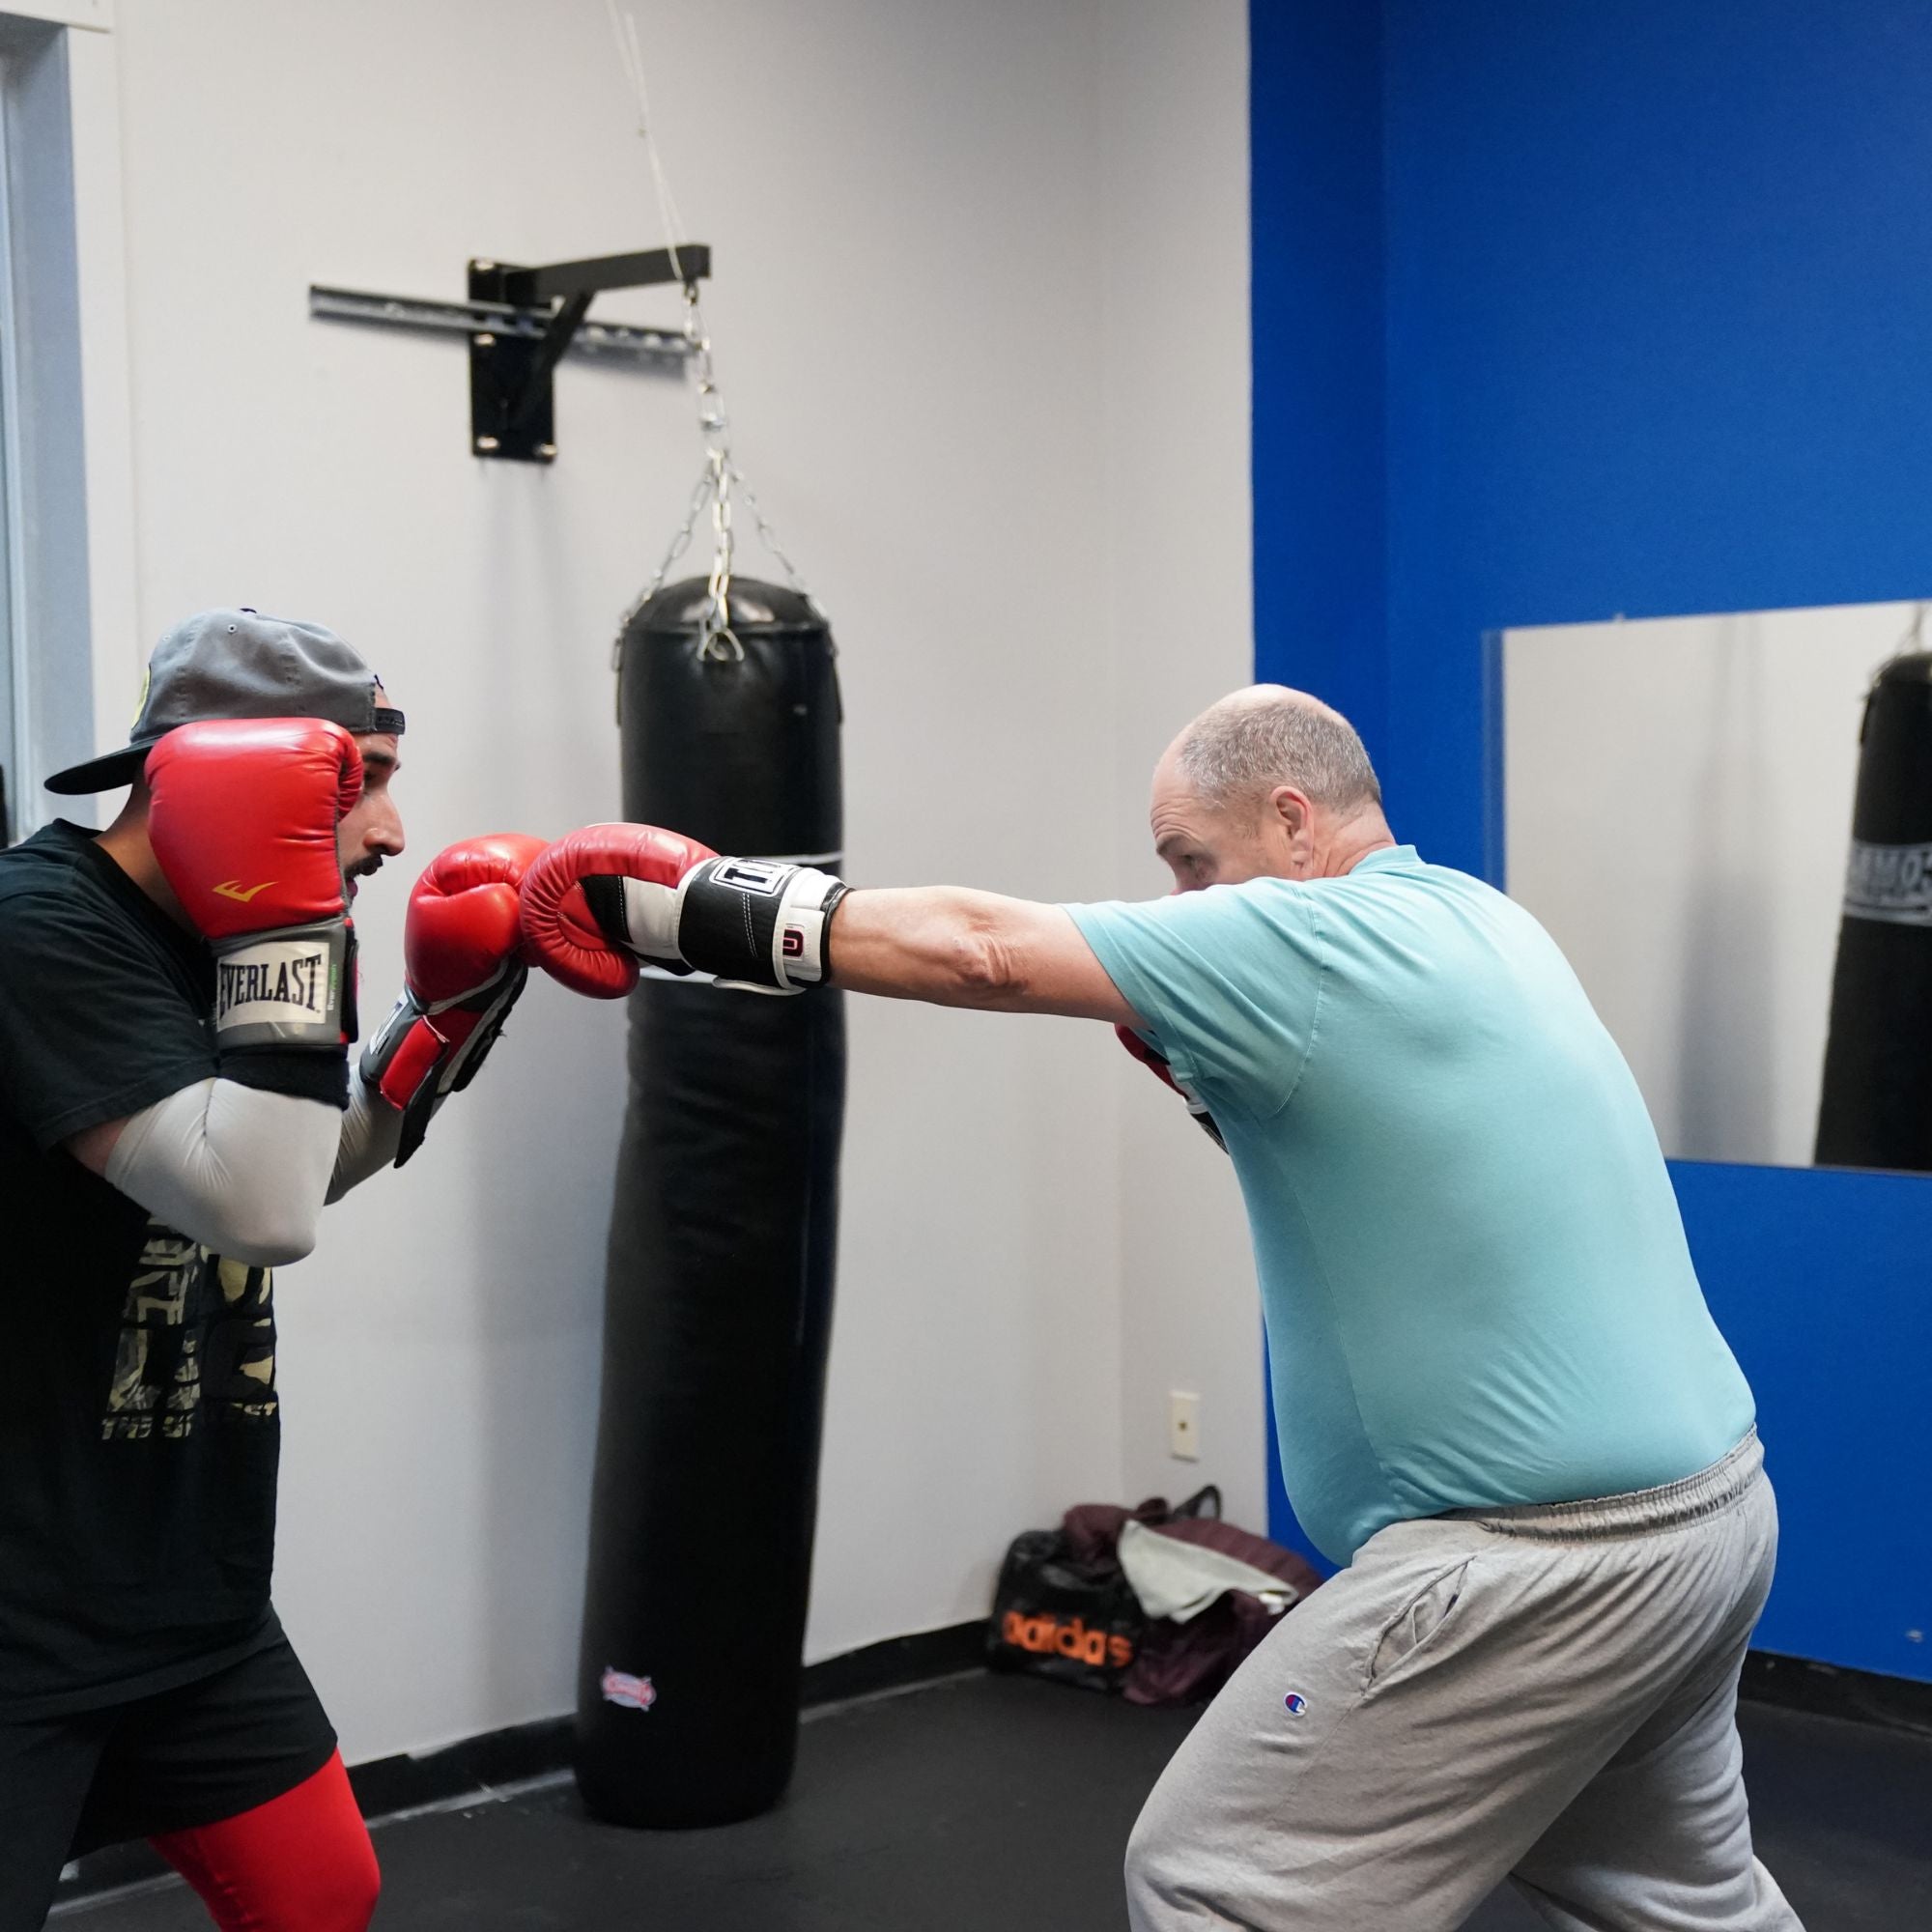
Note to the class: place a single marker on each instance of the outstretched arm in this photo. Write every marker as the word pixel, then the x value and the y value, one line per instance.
pixel 600 900
pixel 954 947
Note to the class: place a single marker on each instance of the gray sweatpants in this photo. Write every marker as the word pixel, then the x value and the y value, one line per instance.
pixel 1543 1694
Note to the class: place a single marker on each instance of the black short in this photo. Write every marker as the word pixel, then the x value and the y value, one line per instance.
pixel 194 1755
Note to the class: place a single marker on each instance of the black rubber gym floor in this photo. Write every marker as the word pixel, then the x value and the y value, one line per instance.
pixel 997 1805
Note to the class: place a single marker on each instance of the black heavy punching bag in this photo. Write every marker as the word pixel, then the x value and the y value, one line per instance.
pixel 1876 1109
pixel 718 1303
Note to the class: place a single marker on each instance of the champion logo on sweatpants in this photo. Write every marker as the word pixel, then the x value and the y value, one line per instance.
pixel 1295 1703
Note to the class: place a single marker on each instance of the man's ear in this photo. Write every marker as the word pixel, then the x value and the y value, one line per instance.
pixel 1293 808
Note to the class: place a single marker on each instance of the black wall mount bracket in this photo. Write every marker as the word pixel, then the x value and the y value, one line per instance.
pixel 521 323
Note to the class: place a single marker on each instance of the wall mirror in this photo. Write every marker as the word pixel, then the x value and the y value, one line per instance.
pixel 1679 803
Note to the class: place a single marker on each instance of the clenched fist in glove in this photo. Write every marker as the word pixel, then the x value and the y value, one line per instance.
pixel 1155 1064
pixel 605 899
pixel 243 817
pixel 462 968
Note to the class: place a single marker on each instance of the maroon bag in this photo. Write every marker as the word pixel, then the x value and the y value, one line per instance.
pixel 1188 1663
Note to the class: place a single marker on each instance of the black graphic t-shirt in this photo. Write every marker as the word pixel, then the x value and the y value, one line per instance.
pixel 139 1426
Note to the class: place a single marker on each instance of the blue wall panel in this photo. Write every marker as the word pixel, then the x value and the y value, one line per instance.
pixel 1820 1281
pixel 1657 329
pixel 1316 198
pixel 1657 338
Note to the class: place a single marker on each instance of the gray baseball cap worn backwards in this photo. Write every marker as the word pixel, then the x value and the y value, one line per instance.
pixel 239 664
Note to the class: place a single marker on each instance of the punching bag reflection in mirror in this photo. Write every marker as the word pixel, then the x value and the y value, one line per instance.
pixel 1875 1109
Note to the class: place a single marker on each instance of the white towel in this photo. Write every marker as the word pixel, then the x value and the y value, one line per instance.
pixel 1180 1579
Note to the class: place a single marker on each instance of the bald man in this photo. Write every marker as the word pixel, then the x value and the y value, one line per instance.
pixel 1503 1406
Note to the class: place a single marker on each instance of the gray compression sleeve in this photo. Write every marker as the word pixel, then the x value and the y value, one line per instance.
pixel 371 1132
pixel 240 1170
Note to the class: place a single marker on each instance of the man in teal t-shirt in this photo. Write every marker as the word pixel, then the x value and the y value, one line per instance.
pixel 1474 1275
pixel 1503 1404
pixel 1480 1313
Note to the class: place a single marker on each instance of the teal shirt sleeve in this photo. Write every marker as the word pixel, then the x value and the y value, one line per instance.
pixel 1228 980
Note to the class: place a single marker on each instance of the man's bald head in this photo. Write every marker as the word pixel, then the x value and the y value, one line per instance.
pixel 1241 749
pixel 1268 782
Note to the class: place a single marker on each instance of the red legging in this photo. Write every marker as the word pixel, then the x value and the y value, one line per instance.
pixel 301 1862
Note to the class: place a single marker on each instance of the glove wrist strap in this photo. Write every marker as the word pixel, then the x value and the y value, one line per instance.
pixel 425 1051
pixel 386 1041
pixel 756 923
pixel 294 986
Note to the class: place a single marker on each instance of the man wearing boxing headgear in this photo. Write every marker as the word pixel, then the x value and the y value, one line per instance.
pixel 1503 1406
pixel 177 1001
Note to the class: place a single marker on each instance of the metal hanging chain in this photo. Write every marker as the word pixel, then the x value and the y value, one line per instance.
pixel 720 480
pixel 719 483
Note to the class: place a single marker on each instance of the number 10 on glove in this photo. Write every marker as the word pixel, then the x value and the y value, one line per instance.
pixel 603 902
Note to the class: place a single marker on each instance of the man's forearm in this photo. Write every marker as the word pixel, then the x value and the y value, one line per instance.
pixel 954 946
pixel 372 1130
pixel 936 942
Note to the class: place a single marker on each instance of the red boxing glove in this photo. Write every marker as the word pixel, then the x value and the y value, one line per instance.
pixel 1156 1062
pixel 597 948
pixel 242 820
pixel 463 970
pixel 603 898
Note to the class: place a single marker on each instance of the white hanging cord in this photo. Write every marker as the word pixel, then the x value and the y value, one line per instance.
pixel 720 477
pixel 631 53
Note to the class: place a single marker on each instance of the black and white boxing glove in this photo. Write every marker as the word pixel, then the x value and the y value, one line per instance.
pixel 603 902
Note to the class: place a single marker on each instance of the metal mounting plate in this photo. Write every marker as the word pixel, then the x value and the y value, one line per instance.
pixel 618 344
pixel 510 416
pixel 521 322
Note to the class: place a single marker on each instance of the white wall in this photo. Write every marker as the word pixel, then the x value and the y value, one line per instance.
pixel 1180 576
pixel 1678 801
pixel 981 313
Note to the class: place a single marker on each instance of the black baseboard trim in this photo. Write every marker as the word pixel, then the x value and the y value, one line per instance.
pixel 518 1751
pixel 387 1786
pixel 896 1664
pixel 1863 1696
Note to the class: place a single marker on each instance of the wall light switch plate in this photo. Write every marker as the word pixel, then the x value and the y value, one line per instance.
pixel 1183 1426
